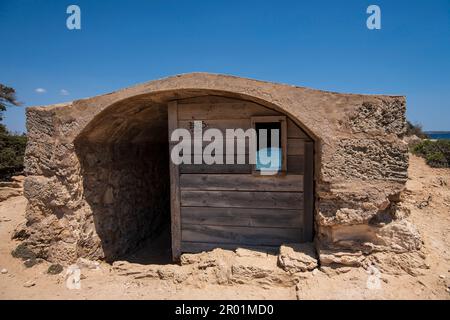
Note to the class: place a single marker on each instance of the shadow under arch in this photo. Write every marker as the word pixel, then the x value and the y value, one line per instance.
pixel 124 157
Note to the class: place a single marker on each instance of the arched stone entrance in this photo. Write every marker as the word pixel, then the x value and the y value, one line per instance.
pixel 124 162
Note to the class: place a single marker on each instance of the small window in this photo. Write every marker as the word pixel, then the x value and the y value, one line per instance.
pixel 271 142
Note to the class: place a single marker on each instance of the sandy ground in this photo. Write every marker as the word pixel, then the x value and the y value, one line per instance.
pixel 432 220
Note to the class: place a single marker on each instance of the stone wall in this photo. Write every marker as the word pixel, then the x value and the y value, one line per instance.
pixel 127 189
pixel 360 164
pixel 97 197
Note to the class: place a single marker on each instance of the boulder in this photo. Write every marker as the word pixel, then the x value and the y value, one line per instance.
pixel 242 252
pixel 341 258
pixel 20 232
pixel 295 258
pixel 55 269
pixel 259 270
pixel 209 259
pixel 29 284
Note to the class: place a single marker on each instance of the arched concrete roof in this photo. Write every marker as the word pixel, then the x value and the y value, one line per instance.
pixel 331 119
pixel 316 111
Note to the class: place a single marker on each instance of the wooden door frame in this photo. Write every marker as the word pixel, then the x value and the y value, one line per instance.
pixel 175 215
pixel 175 196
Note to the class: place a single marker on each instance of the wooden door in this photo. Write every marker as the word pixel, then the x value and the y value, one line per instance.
pixel 227 206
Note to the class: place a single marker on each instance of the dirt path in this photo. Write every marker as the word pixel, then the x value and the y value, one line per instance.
pixel 432 219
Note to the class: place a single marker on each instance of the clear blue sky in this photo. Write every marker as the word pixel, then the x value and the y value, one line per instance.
pixel 319 44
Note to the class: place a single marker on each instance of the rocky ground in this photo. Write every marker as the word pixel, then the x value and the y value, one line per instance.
pixel 246 274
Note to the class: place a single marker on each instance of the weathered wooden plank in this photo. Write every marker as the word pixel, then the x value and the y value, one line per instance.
pixel 241 182
pixel 242 199
pixel 197 247
pixel 295 164
pixel 294 131
pixel 174 188
pixel 244 217
pixel 217 111
pixel 215 168
pixel 309 191
pixel 233 142
pixel 241 235
pixel 295 147
pixel 222 124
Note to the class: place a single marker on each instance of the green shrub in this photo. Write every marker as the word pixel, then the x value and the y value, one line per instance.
pixel 436 153
pixel 12 149
pixel 415 129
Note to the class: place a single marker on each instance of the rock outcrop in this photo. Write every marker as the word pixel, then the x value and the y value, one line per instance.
pixel 218 266
pixel 295 258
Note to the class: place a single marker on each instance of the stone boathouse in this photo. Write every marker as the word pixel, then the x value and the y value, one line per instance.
pixel 100 180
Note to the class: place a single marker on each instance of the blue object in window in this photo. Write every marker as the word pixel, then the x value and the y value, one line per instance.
pixel 268 159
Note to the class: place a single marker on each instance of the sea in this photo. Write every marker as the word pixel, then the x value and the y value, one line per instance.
pixel 438 135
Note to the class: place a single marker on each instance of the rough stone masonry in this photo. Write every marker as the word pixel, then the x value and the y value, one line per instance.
pixel 360 167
